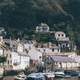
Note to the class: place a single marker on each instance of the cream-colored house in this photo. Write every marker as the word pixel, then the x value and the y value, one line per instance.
pixel 35 55
pixel 61 36
pixel 20 61
pixel 1 52
pixel 17 61
pixel 42 28
pixel 63 62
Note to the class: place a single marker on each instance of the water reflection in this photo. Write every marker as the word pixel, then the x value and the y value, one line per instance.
pixel 67 79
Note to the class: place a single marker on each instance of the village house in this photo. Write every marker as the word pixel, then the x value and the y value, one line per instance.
pixel 61 36
pixel 17 61
pixel 21 53
pixel 63 42
pixel 29 45
pixel 2 31
pixel 20 48
pixel 61 62
pixel 20 61
pixel 42 28
pixel 35 55
pixel 17 58
pixel 53 50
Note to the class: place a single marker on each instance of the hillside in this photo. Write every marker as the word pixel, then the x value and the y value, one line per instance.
pixel 21 14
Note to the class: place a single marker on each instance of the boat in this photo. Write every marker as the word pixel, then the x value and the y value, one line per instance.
pixel 67 74
pixel 36 76
pixel 59 73
pixel 49 75
pixel 79 74
pixel 20 76
pixel 70 73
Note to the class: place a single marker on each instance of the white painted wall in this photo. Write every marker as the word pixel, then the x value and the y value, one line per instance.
pixel 28 46
pixel 60 35
pixel 20 48
pixel 21 60
pixel 35 55
pixel 68 65
pixel 1 51
pixel 49 50
pixel 25 61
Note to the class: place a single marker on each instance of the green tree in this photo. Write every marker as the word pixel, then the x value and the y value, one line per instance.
pixel 2 59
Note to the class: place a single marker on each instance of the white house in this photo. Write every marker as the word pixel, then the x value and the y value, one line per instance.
pixel 63 41
pixel 64 62
pixel 42 28
pixel 53 50
pixel 17 61
pixel 2 30
pixel 28 46
pixel 35 55
pixel 61 36
pixel 20 47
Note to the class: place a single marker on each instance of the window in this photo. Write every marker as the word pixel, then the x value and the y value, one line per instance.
pixel 40 57
pixel 62 34
pixel 58 34
pixel 38 29
pixel 8 61
pixel 10 55
pixel 6 55
pixel 15 61
pixel 58 50
pixel 53 49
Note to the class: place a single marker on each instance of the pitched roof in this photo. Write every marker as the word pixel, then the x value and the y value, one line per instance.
pixel 61 59
pixel 76 58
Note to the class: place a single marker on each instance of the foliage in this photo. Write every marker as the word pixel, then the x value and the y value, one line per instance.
pixel 2 59
pixel 21 14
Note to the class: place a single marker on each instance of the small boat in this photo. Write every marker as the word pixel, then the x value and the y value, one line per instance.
pixel 20 76
pixel 49 75
pixel 67 74
pixel 70 73
pixel 79 74
pixel 59 73
pixel 36 76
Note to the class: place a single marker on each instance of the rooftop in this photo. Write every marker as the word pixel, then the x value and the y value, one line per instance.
pixel 61 59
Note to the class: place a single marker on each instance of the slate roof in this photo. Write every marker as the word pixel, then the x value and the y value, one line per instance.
pixel 64 59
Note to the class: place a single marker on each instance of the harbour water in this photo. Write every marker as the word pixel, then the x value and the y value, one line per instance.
pixel 67 78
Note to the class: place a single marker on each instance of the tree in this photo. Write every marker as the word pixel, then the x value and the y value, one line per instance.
pixel 2 59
